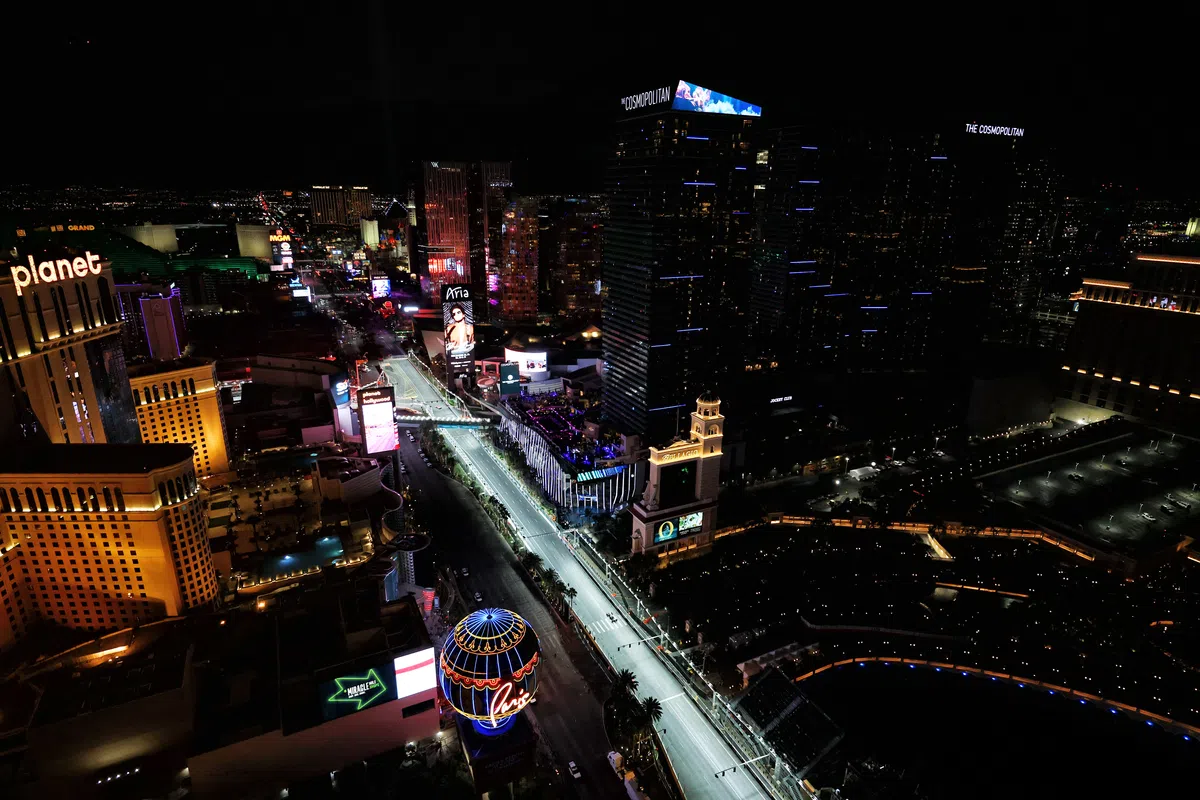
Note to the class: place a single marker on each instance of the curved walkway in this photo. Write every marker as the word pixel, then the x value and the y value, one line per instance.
pixel 1188 731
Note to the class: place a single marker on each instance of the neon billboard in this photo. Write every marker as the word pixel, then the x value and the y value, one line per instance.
pixel 675 527
pixel 376 407
pixel 489 668
pixel 349 694
pixel 690 97
pixel 62 269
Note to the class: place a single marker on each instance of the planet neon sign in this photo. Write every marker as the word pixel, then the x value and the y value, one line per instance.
pixel 52 271
pixel 489 668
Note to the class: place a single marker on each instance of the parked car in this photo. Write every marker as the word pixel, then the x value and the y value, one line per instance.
pixel 466 573
pixel 1146 515
pixel 478 597
pixel 1167 509
pixel 575 773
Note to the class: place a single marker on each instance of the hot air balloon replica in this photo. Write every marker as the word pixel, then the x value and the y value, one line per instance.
pixel 488 668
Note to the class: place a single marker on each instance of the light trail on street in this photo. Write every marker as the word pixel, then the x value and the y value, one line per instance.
pixel 696 751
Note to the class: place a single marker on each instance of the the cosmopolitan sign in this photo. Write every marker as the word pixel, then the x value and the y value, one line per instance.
pixel 62 269
pixel 994 130
pixel 650 98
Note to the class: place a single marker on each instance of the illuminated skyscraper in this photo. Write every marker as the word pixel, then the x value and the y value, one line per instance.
pixel 489 189
pixel 129 519
pixel 358 204
pixel 442 250
pixel 1128 352
pixel 60 348
pixel 154 325
pixel 519 262
pixel 340 205
pixel 178 402
pixel 676 252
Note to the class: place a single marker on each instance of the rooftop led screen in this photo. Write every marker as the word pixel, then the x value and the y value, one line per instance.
pixel 673 528
pixel 690 97
pixel 415 673
pixel 378 419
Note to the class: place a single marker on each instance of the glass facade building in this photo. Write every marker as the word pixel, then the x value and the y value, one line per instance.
pixel 677 248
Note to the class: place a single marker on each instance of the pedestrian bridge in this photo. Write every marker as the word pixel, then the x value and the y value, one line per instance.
pixel 414 421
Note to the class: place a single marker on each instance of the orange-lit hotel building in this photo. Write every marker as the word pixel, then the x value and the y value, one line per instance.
pixel 62 369
pixel 100 537
pixel 178 402
pixel 1132 350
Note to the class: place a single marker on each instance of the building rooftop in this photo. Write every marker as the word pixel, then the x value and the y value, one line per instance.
pixel 71 693
pixel 155 367
pixel 94 459
pixel 789 720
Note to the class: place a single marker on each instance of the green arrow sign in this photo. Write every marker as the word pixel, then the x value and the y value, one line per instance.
pixel 360 689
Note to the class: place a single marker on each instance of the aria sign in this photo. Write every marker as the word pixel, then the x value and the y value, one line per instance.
pixel 994 130
pixel 62 269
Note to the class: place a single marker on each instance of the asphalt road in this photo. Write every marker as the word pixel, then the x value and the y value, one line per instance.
pixel 568 713
pixel 695 750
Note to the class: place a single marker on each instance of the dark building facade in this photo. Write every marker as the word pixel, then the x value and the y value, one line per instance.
pixel 1135 346
pixel 570 233
pixel 677 247
pixel 489 186
pixel 897 249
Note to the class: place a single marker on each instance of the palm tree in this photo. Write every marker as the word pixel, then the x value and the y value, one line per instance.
pixel 550 577
pixel 625 682
pixel 569 594
pixel 651 710
pixel 558 589
pixel 531 561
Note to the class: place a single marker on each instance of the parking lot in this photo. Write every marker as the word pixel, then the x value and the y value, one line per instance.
pixel 1134 494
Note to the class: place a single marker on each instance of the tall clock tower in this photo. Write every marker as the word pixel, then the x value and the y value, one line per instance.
pixel 678 509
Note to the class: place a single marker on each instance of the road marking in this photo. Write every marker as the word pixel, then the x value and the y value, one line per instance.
pixel 672 697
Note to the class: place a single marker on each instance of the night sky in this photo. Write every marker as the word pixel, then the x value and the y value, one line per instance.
pixel 253 95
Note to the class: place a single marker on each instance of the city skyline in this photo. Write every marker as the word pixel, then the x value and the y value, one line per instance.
pixel 667 406
pixel 398 101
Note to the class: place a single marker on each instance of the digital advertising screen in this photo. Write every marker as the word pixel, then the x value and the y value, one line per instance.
pixel 375 407
pixel 458 317
pixel 341 389
pixel 281 250
pixel 510 380
pixel 381 287
pixel 675 527
pixel 690 97
pixel 415 673
pixel 527 363
pixel 357 691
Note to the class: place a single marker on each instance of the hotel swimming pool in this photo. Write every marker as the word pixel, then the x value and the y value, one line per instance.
pixel 322 553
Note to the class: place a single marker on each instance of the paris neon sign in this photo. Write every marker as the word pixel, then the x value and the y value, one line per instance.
pixel 505 703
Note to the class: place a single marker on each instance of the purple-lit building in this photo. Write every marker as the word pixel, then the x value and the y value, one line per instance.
pixel 575 467
pixel 154 325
